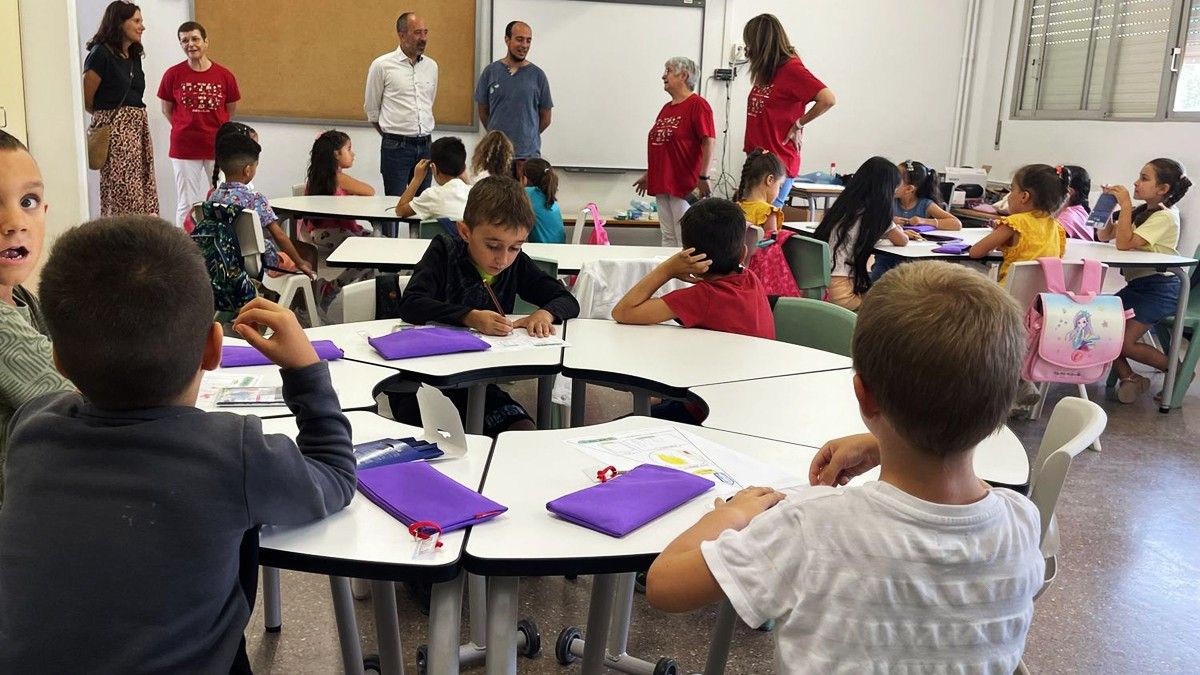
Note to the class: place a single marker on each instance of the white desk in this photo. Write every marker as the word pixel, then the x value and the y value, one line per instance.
pixel 404 254
pixel 377 209
pixel 669 360
pixel 530 468
pixel 824 408
pixel 473 369
pixel 814 191
pixel 353 381
pixel 364 541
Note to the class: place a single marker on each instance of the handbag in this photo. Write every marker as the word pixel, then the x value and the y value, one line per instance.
pixel 99 137
pixel 1073 336
pixel 621 505
pixel 599 236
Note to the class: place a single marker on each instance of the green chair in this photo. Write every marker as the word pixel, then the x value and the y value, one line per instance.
pixel 549 267
pixel 428 229
pixel 814 323
pixel 809 260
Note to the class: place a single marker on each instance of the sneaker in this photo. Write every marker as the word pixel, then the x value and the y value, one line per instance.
pixel 1028 395
pixel 1132 387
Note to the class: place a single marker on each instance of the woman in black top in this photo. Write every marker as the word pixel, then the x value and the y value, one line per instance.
pixel 113 83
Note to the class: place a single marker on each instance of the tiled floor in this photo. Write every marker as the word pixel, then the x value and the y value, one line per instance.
pixel 1126 600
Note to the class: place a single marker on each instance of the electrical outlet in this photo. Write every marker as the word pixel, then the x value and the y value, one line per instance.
pixel 723 74
pixel 737 53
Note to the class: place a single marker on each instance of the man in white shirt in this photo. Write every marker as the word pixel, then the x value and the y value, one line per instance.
pixel 401 87
pixel 927 569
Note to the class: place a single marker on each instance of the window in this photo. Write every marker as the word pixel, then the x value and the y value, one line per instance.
pixel 1110 59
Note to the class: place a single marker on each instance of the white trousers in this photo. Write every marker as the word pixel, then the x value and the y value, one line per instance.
pixel 193 178
pixel 670 212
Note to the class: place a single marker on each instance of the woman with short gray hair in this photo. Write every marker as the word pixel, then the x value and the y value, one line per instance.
pixel 679 148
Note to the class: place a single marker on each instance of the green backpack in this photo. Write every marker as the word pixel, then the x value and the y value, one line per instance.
pixel 218 241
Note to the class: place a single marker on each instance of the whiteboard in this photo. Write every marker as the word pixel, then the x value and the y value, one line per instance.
pixel 604 61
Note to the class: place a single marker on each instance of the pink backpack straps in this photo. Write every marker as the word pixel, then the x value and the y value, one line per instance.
pixel 1089 283
pixel 1052 271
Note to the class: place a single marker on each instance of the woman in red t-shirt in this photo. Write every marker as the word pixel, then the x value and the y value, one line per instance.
pixel 783 88
pixel 679 148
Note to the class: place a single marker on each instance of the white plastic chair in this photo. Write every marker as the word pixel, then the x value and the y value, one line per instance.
pixel 358 299
pixel 1024 281
pixel 580 223
pixel 1074 425
pixel 250 236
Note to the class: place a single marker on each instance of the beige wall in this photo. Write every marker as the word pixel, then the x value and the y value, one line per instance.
pixel 51 69
pixel 12 92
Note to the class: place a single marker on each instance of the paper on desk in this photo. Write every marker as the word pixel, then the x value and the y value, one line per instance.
pixel 213 382
pixel 521 339
pixel 679 449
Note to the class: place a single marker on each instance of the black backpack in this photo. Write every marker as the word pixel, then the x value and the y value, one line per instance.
pixel 217 238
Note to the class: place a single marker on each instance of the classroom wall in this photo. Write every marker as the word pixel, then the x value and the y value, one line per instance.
pixel 1112 152
pixel 878 112
pixel 49 57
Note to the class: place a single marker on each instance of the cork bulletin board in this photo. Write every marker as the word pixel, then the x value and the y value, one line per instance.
pixel 305 60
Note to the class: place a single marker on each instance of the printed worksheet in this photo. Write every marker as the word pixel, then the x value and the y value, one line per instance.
pixel 679 449
pixel 213 382
pixel 521 339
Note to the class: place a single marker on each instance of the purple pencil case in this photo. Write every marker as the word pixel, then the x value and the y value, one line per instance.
pixel 415 492
pixel 233 356
pixel 929 236
pixel 920 228
pixel 413 342
pixel 629 501
pixel 954 247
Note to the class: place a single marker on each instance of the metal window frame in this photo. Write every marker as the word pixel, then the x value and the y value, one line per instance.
pixel 1166 94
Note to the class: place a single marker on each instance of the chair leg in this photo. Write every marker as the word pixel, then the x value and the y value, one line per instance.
pixel 310 303
pixel 1084 395
pixel 1036 411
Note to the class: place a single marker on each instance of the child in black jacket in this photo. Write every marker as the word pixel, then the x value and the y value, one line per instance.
pixel 474 282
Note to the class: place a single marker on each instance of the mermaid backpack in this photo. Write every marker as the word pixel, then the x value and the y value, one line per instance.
pixel 1073 336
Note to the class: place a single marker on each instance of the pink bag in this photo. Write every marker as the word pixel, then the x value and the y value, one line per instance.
pixel 771 268
pixel 1073 336
pixel 599 236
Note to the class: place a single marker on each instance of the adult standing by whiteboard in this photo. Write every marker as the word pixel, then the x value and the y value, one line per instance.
pixel 197 97
pixel 401 86
pixel 679 148
pixel 513 95
pixel 113 85
pixel 782 89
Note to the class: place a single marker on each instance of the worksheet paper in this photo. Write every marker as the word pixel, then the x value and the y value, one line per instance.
pixel 213 382
pixel 521 339
pixel 667 446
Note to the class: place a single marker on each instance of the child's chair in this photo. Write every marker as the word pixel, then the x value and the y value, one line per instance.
pixel 1074 425
pixel 1191 330
pixel 358 299
pixel 814 323
pixel 1024 282
pixel 288 286
pixel 810 263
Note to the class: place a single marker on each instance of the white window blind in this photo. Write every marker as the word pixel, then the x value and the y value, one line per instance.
pixel 1096 57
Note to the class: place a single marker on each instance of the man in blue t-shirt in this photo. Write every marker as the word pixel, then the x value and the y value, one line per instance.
pixel 514 95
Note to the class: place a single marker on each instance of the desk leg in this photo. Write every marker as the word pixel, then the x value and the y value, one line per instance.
pixel 347 624
pixel 501 620
pixel 445 617
pixel 599 621
pixel 718 649
pixel 545 401
pixel 387 627
pixel 618 638
pixel 272 614
pixel 476 395
pixel 477 599
pixel 641 403
pixel 578 401
pixel 1176 338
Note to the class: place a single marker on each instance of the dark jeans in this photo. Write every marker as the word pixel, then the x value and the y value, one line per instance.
pixel 398 155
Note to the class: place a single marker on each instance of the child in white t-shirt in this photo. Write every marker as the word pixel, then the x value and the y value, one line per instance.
pixel 447 197
pixel 925 570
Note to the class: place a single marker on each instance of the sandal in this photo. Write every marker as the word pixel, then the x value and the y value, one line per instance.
pixel 1130 388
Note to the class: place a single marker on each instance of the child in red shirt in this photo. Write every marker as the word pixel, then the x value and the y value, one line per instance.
pixel 724 296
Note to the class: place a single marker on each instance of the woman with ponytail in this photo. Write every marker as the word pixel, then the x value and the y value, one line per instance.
pixel 1152 295
pixel 1029 231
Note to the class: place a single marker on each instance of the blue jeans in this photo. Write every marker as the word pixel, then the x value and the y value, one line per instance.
pixel 398 156
pixel 785 189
